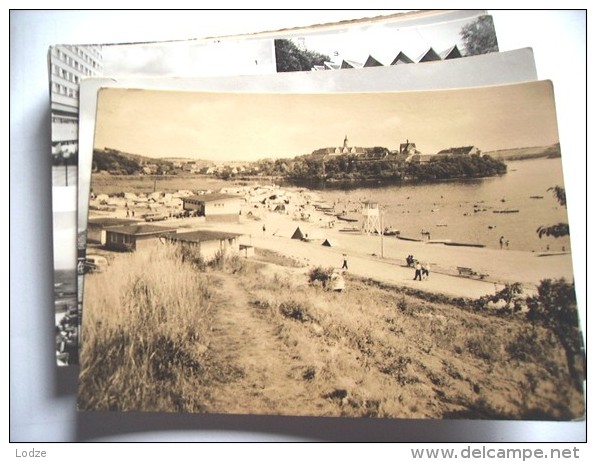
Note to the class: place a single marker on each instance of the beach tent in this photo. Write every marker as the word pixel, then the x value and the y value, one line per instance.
pixel 330 243
pixel 283 230
pixel 299 234
pixel 308 234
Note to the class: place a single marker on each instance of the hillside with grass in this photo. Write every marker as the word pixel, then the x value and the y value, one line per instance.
pixel 164 331
pixel 534 152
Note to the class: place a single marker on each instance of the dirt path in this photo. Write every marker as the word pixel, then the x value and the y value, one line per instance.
pixel 252 353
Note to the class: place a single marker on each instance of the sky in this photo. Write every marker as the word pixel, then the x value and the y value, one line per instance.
pixel 237 126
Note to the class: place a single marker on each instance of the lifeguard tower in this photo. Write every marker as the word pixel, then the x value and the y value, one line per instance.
pixel 371 222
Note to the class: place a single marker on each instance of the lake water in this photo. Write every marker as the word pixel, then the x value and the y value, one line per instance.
pixel 463 210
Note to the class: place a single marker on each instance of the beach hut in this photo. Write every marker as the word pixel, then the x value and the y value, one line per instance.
pixel 96 227
pixel 214 207
pixel 134 236
pixel 330 243
pixel 209 243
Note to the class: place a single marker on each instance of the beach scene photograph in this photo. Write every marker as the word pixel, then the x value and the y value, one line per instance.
pixel 379 254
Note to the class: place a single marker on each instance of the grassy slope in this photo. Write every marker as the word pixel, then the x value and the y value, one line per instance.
pixel 255 338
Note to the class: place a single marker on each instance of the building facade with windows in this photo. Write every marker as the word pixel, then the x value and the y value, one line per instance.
pixel 214 207
pixel 134 237
pixel 68 65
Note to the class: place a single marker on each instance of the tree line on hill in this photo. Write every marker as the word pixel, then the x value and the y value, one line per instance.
pixel 349 167
pixel 375 165
pixel 119 163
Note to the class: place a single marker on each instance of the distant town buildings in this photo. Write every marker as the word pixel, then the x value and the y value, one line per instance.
pixel 407 152
pixel 338 150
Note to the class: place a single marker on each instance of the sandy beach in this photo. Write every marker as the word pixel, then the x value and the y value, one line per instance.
pixel 364 257
pixel 376 257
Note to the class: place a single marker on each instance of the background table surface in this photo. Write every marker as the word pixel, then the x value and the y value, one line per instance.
pixel 43 397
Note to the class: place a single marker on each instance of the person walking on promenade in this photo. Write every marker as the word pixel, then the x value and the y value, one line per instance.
pixel 264 229
pixel 501 240
pixel 418 273
pixel 426 270
pixel 345 265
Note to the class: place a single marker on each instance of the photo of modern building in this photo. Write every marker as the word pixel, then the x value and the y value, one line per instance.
pixel 68 65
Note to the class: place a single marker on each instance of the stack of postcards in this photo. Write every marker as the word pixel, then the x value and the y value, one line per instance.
pixel 360 219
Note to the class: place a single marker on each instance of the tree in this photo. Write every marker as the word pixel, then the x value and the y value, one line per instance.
pixel 479 37
pixel 559 229
pixel 290 58
pixel 555 307
pixel 509 298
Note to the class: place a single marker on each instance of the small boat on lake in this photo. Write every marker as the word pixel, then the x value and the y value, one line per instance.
pixel 391 232
pixel 506 211
pixel 404 238
pixel 324 207
pixel 350 229
pixel 346 218
pixel 464 244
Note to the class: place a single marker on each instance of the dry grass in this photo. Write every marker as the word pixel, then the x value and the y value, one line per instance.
pixel 151 337
pixel 415 358
pixel 143 322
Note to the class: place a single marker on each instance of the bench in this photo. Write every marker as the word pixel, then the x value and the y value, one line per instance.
pixel 469 272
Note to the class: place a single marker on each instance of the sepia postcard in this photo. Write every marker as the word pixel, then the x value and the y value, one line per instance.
pixel 441 35
pixel 357 254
